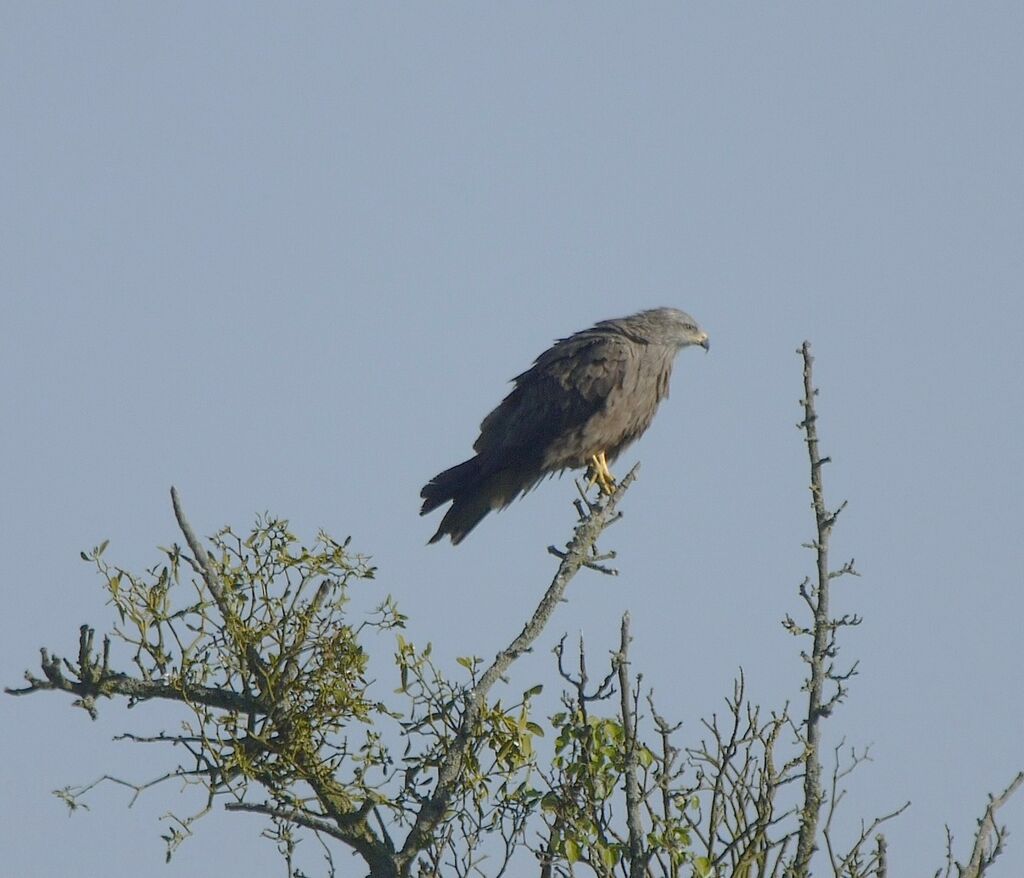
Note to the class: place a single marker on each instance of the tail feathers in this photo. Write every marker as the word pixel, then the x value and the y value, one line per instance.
pixel 449 484
pixel 465 514
pixel 474 492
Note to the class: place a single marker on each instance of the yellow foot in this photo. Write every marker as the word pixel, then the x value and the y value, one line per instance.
pixel 600 475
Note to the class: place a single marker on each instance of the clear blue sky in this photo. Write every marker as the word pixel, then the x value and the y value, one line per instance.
pixel 287 258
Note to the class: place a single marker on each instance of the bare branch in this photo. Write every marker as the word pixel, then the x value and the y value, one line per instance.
pixel 298 816
pixel 106 683
pixel 817 599
pixel 988 841
pixel 637 858
pixel 213 583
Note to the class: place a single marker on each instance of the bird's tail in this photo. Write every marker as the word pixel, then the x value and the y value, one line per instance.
pixel 449 484
pixel 474 492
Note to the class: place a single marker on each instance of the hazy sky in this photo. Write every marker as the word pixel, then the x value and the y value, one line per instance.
pixel 286 258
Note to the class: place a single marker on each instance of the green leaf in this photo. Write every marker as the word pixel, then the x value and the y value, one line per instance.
pixel 702 867
pixel 550 802
pixel 572 851
pixel 609 856
pixel 614 731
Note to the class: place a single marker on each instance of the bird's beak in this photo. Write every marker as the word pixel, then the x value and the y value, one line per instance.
pixel 702 340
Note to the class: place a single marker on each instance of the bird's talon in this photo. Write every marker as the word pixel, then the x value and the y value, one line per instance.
pixel 600 475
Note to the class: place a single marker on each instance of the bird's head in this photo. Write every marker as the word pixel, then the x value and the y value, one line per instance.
pixel 673 327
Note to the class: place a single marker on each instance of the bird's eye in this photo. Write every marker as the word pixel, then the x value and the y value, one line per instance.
pixel 690 327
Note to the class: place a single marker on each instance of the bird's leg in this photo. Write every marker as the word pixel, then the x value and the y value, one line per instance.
pixel 609 479
pixel 600 474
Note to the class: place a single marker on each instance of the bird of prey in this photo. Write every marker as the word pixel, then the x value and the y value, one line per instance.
pixel 581 403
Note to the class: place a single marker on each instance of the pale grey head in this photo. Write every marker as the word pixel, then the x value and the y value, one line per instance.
pixel 664 326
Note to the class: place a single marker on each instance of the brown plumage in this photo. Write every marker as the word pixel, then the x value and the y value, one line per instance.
pixel 580 404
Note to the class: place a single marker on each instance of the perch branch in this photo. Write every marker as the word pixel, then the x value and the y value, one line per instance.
pixel 578 553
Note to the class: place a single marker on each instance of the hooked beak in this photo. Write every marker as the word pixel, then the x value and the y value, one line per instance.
pixel 702 340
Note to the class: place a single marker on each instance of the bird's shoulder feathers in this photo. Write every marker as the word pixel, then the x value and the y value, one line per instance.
pixel 565 386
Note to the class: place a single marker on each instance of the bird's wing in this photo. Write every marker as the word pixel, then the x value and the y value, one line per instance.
pixel 559 393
